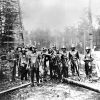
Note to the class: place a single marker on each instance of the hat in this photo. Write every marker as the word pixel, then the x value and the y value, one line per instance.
pixel 23 49
pixel 33 46
pixel 63 47
pixel 87 48
pixel 44 49
pixel 72 46
pixel 54 46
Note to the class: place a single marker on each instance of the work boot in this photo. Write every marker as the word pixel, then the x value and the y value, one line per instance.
pixel 32 85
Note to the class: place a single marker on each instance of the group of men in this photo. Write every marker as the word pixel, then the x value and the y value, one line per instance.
pixel 56 62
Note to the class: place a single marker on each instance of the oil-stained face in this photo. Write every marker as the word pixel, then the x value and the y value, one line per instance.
pixel 57 51
pixel 19 49
pixel 64 49
pixel 26 49
pixel 88 50
pixel 73 48
pixel 54 48
pixel 34 50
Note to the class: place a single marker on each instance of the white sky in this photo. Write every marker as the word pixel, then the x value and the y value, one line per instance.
pixel 54 14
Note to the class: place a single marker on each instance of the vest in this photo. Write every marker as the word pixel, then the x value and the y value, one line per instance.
pixel 88 56
pixel 64 58
pixel 73 55
pixel 64 55
pixel 34 58
pixel 23 60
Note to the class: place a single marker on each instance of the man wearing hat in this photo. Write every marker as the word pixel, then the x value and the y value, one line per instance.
pixel 11 62
pixel 74 57
pixel 88 62
pixel 18 59
pixel 64 61
pixel 54 49
pixel 50 53
pixel 34 65
pixel 46 58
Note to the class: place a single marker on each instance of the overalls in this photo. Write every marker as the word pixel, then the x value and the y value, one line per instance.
pixel 34 67
pixel 73 57
pixel 88 65
pixel 64 61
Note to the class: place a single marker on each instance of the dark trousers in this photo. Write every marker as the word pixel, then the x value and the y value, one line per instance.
pixel 88 69
pixel 51 68
pixel 58 71
pixel 74 66
pixel 19 68
pixel 64 71
pixel 45 71
pixel 14 71
pixel 34 71
pixel 23 73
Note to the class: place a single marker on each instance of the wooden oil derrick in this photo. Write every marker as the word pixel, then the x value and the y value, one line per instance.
pixel 11 28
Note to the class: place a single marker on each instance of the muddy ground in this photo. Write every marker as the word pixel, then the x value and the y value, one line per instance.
pixel 52 91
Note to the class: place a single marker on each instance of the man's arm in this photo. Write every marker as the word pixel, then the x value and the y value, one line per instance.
pixel 69 55
pixel 77 55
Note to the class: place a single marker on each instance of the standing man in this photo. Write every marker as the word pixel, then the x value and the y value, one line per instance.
pixel 88 63
pixel 45 58
pixel 64 61
pixel 19 56
pixel 34 65
pixel 23 67
pixel 54 49
pixel 58 64
pixel 50 52
pixel 12 64
pixel 74 57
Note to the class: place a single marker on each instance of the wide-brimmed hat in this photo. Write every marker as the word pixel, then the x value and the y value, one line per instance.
pixel 44 49
pixel 87 48
pixel 72 46
pixel 63 47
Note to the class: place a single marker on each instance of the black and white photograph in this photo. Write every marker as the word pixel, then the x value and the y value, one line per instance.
pixel 49 49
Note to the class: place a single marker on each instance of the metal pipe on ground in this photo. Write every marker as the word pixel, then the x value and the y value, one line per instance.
pixel 81 84
pixel 14 88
